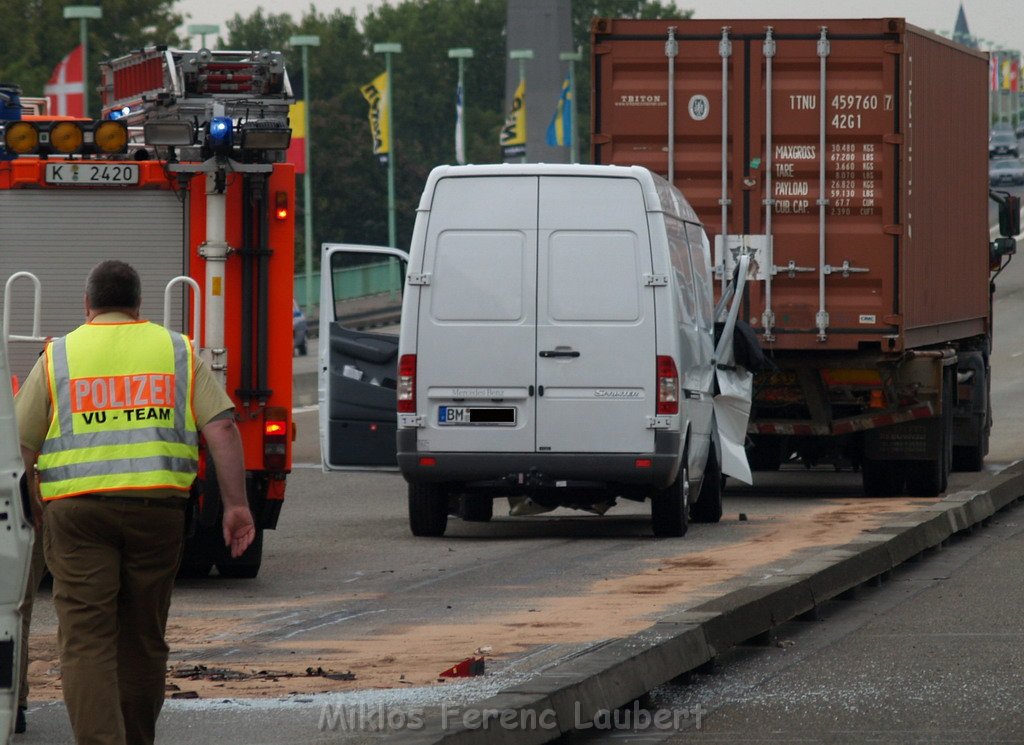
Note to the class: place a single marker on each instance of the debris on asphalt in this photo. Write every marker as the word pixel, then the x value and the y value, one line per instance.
pixel 468 668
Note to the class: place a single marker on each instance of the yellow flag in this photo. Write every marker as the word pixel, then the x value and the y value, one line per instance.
pixel 376 94
pixel 513 134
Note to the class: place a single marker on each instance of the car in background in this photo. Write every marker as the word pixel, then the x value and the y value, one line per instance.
pixel 300 330
pixel 1005 171
pixel 1003 143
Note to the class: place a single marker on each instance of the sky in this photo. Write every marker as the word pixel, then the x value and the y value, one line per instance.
pixel 998 22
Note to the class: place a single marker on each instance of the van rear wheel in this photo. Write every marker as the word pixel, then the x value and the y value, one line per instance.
pixel 670 506
pixel 708 507
pixel 428 509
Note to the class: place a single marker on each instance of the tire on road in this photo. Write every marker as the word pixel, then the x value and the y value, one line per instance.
pixel 670 506
pixel 246 566
pixel 708 507
pixel 428 509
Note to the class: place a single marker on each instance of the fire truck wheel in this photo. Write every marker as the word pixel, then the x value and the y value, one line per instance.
pixel 428 509
pixel 708 507
pixel 669 506
pixel 478 509
pixel 246 566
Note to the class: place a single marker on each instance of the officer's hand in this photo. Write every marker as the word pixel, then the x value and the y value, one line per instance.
pixel 239 530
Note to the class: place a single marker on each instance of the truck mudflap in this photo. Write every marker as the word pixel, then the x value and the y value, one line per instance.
pixel 845 426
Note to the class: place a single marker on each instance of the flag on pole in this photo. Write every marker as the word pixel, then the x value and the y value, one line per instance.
pixel 65 90
pixel 297 149
pixel 460 145
pixel 993 74
pixel 1014 73
pixel 560 131
pixel 513 134
pixel 1005 83
pixel 376 94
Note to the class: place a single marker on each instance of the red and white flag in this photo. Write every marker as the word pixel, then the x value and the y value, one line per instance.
pixel 65 90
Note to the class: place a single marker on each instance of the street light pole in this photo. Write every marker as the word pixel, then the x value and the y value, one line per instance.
pixel 387 49
pixel 202 29
pixel 572 58
pixel 83 13
pixel 522 55
pixel 461 54
pixel 305 42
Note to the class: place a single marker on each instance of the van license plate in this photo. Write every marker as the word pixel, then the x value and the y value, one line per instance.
pixel 479 415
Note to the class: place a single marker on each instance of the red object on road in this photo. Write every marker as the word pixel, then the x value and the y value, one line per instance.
pixel 468 668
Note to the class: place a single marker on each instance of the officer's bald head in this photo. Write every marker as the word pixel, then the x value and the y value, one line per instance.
pixel 113 285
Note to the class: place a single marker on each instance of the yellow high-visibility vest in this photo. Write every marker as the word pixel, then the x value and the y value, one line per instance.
pixel 122 419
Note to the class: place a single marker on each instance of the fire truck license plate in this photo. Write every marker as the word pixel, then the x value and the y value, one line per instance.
pixel 91 174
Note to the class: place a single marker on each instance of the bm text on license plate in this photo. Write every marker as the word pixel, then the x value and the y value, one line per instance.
pixel 478 415
pixel 91 174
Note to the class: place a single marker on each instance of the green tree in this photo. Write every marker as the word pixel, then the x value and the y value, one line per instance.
pixel 31 46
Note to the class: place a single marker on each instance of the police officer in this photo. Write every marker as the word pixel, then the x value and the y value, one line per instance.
pixel 111 417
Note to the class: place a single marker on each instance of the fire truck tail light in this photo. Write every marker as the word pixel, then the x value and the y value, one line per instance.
pixel 281 205
pixel 407 384
pixel 275 438
pixel 668 386
pixel 21 138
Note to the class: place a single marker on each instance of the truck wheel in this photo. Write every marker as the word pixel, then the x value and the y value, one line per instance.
pixel 669 506
pixel 476 509
pixel 882 478
pixel 428 509
pixel 708 507
pixel 929 478
pixel 246 566
pixel 972 457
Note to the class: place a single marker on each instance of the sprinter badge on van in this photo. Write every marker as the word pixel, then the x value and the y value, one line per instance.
pixel 478 415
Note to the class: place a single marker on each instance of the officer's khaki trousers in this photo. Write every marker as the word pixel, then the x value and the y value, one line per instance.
pixel 113 566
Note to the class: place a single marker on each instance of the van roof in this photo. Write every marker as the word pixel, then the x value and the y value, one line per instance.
pixel 659 195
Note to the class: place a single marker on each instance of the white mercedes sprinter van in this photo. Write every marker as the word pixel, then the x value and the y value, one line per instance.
pixel 557 342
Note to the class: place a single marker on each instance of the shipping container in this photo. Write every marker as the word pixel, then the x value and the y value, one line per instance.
pixel 849 159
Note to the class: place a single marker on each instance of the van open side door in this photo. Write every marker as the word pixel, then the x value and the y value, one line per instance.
pixel 360 308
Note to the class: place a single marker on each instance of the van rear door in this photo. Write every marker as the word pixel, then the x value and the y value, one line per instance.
pixel 596 353
pixel 476 339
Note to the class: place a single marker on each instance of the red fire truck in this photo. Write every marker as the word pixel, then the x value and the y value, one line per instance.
pixel 183 178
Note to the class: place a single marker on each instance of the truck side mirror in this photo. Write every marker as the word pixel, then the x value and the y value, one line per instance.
pixel 1009 216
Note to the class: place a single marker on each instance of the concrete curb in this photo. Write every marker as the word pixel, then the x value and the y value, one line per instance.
pixel 615 673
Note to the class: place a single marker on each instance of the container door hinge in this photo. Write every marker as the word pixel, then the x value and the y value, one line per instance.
pixel 659 422
pixel 409 421
pixel 893 230
pixel 655 280
pixel 418 279
pixel 893 139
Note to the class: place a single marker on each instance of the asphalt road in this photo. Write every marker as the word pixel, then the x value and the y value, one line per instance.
pixel 935 655
pixel 343 580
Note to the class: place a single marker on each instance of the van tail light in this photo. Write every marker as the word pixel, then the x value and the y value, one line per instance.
pixel 407 384
pixel 275 438
pixel 668 386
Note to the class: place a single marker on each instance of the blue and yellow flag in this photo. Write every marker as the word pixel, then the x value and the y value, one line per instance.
pixel 560 131
pixel 376 94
